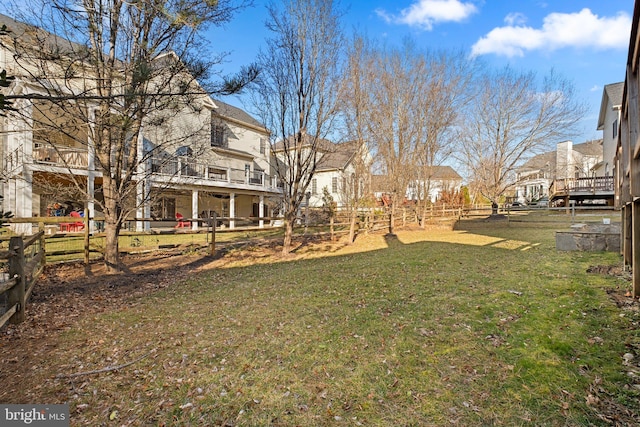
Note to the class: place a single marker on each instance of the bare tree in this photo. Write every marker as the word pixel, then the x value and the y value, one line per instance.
pixel 512 118
pixel 448 76
pixel 394 88
pixel 354 105
pixel 297 93
pixel 114 72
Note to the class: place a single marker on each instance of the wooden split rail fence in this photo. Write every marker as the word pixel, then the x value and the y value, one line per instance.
pixel 25 261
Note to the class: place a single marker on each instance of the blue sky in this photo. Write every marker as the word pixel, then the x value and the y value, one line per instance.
pixel 585 41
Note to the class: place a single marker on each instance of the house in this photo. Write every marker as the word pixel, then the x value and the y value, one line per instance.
pixel 534 178
pixel 337 170
pixel 568 173
pixel 608 123
pixel 425 183
pixel 627 158
pixel 202 157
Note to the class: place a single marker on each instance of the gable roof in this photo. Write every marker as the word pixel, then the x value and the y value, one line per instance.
pixel 540 162
pixel 589 148
pixel 381 183
pixel 236 114
pixel 612 93
pixel 322 145
pixel 338 158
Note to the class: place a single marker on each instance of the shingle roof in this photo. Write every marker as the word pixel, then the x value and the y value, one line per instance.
pixel 229 111
pixel 612 93
pixel 323 145
pixel 338 158
pixel 381 183
pixel 589 148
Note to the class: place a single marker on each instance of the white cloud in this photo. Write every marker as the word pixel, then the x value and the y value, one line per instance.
pixel 595 88
pixel 559 30
pixel 515 18
pixel 426 13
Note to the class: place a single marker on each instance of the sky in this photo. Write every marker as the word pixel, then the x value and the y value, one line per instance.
pixel 585 41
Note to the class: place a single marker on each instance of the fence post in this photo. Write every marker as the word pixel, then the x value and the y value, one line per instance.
pixel 43 240
pixel 16 268
pixel 212 245
pixel 86 237
pixel 331 231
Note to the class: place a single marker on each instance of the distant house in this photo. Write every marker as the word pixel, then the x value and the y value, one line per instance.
pixel 534 178
pixel 571 172
pixel 335 171
pixel 427 183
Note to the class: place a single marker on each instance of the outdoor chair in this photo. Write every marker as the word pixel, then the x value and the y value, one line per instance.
pixel 181 222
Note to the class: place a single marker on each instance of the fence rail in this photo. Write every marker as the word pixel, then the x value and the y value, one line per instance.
pixel 25 261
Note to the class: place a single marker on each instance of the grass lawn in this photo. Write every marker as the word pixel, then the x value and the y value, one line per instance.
pixel 484 325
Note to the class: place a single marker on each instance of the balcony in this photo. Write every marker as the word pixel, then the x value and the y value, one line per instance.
pixel 182 168
pixel 60 156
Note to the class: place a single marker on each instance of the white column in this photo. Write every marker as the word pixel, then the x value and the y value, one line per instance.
pixel 194 209
pixel 261 211
pixel 142 194
pixel 91 171
pixel 232 210
pixel 20 143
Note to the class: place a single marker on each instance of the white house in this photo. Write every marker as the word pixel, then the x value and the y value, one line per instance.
pixel 202 157
pixel 609 123
pixel 427 183
pixel 569 172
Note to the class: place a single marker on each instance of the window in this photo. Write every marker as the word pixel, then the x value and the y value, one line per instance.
pixel 263 146
pixel 184 151
pixel 615 128
pixel 218 137
pixel 314 186
pixel 164 208
pixel 334 184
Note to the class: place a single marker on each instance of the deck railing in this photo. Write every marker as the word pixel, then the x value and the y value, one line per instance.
pixel 187 167
pixel 596 184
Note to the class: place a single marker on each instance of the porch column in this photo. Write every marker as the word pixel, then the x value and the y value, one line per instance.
pixel 143 209
pixel 261 211
pixel 91 172
pixel 232 210
pixel 194 209
pixel 20 151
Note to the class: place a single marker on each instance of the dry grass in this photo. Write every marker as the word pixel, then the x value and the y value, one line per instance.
pixel 484 325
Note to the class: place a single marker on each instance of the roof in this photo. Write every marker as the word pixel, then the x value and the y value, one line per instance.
pixel 323 145
pixel 589 148
pixel 338 158
pixel 611 94
pixel 381 183
pixel 444 172
pixel 234 113
pixel 539 162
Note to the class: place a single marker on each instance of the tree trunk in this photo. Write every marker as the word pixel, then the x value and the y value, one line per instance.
pixel 494 208
pixel 391 217
pixel 111 247
pixel 111 227
pixel 288 233
pixel 423 221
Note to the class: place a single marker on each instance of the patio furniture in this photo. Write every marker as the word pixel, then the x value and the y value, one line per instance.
pixel 181 222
